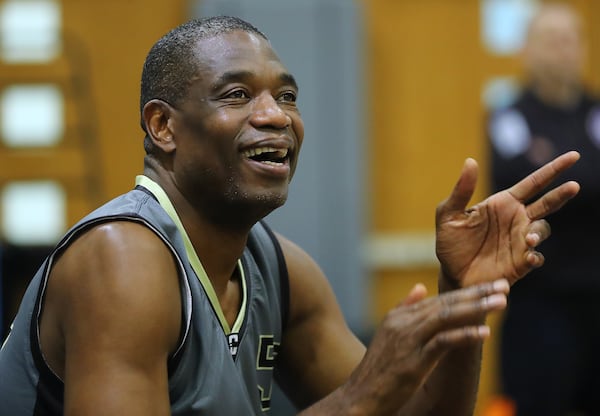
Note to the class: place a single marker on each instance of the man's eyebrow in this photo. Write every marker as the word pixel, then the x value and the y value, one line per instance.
pixel 231 76
pixel 244 76
pixel 289 79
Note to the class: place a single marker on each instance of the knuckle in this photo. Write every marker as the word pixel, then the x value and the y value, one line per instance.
pixel 447 299
pixel 389 321
pixel 471 332
pixel 484 289
pixel 444 313
pixel 439 341
pixel 483 305
pixel 396 321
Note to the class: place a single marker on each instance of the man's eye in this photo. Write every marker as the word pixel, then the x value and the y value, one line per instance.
pixel 237 94
pixel 288 97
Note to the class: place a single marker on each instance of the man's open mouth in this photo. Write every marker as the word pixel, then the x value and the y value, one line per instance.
pixel 267 155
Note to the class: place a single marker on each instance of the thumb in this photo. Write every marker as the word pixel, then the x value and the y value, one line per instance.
pixel 463 190
pixel 416 294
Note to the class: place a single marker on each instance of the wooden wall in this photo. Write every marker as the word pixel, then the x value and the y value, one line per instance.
pixel 426 77
pixel 115 36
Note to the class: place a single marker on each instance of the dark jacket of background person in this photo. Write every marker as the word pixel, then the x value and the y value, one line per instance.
pixel 528 134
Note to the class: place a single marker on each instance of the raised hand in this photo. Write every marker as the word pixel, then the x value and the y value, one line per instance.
pixel 497 238
pixel 416 334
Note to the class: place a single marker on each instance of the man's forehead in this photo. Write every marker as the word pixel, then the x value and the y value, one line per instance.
pixel 555 19
pixel 238 53
pixel 234 45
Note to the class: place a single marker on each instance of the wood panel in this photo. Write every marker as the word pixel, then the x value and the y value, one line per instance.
pixel 111 40
pixel 425 112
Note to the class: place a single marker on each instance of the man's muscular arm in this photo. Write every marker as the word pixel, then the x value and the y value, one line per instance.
pixel 112 316
pixel 322 363
pixel 425 357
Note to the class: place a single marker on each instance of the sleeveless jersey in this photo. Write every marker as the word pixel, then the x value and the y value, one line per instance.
pixel 215 370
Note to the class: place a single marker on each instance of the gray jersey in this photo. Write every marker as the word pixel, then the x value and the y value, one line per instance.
pixel 215 370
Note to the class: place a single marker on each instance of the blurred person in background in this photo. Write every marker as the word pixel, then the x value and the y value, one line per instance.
pixel 549 359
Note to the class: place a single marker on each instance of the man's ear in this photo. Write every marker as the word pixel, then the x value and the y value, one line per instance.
pixel 156 115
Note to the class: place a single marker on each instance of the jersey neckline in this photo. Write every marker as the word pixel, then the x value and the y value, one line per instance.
pixel 194 260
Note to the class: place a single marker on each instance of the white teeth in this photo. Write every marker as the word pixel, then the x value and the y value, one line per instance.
pixel 278 153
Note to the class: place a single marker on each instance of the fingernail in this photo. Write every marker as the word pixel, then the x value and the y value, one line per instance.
pixel 534 237
pixel 483 331
pixel 501 285
pixel 496 300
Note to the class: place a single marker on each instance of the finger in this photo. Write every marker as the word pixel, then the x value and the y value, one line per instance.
pixel 472 293
pixel 447 316
pixel 442 342
pixel 538 180
pixel 416 294
pixel 434 311
pixel 463 190
pixel 538 231
pixel 447 313
pixel 431 307
pixel 534 259
pixel 552 201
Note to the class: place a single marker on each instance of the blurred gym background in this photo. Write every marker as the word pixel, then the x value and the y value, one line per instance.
pixel 394 94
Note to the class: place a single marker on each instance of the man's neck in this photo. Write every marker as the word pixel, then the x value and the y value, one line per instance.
pixel 218 246
pixel 564 95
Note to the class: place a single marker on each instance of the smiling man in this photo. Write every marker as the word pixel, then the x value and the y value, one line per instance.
pixel 176 298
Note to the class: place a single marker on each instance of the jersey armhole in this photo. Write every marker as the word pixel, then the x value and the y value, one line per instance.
pixel 284 285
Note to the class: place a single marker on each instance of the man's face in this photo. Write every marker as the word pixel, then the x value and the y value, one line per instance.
pixel 238 132
pixel 554 49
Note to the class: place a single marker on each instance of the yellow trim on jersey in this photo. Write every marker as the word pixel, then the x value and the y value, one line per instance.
pixel 164 202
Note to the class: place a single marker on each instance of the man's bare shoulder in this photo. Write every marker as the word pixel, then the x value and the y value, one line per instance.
pixel 116 281
pixel 116 250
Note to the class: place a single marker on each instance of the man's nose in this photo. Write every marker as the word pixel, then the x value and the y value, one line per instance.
pixel 266 112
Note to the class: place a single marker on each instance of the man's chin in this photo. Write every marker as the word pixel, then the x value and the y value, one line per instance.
pixel 248 209
pixel 271 202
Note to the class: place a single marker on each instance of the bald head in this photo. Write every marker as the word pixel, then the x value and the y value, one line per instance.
pixel 553 51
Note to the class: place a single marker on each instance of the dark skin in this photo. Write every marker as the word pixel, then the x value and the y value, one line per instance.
pixel 108 335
